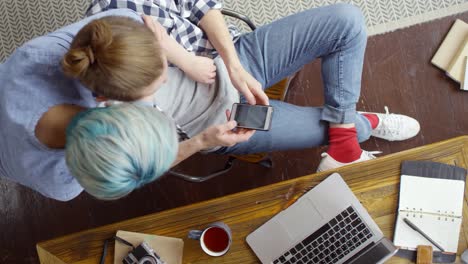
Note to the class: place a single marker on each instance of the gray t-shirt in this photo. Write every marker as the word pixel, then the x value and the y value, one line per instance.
pixel 195 106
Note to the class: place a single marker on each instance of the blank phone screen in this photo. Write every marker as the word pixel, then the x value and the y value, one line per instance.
pixel 251 116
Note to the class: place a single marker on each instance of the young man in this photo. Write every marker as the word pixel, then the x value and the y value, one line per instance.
pixel 257 60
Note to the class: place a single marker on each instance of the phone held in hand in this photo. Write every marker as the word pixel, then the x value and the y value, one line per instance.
pixel 257 117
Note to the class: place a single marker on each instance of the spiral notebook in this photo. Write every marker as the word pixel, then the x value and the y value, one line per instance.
pixel 431 196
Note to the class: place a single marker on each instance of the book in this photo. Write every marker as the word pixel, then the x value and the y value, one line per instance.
pixel 431 196
pixel 168 248
pixel 451 45
pixel 457 67
pixel 452 53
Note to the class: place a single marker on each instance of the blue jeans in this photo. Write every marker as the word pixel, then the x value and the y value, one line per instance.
pixel 337 35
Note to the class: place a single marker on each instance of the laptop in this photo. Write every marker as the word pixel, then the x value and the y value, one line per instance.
pixel 328 224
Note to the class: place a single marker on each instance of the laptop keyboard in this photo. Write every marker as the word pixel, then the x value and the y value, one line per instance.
pixel 331 242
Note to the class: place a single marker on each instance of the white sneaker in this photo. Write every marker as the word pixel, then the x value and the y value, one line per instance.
pixel 394 127
pixel 329 163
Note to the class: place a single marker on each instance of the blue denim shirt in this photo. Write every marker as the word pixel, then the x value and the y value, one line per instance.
pixel 32 81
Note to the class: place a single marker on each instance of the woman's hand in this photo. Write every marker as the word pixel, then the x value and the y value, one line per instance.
pixel 222 135
pixel 200 69
pixel 214 136
pixel 248 86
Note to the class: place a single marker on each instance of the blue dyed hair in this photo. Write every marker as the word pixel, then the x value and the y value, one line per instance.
pixel 112 151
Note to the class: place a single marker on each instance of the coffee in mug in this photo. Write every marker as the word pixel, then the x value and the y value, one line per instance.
pixel 215 240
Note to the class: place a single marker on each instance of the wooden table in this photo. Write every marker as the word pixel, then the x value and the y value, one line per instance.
pixel 375 183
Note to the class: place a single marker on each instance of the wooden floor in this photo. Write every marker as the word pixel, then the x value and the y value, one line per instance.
pixel 397 74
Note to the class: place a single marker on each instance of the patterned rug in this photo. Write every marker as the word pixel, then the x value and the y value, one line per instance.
pixel 23 20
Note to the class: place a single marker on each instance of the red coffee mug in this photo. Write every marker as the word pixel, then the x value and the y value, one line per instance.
pixel 215 240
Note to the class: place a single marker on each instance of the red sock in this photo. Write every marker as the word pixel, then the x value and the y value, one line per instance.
pixel 343 144
pixel 373 119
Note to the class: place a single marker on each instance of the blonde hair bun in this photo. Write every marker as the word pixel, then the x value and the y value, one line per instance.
pixel 77 60
pixel 116 57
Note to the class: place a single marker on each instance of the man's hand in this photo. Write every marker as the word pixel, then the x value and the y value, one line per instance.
pixel 200 69
pixel 215 28
pixel 248 86
pixel 158 30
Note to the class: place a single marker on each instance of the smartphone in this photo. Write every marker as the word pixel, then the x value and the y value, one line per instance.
pixel 256 117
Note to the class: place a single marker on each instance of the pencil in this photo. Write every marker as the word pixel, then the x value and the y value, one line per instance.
pixel 415 228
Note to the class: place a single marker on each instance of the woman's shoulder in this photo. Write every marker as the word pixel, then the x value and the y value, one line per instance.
pixel 26 160
pixel 57 43
pixel 37 167
pixel 44 53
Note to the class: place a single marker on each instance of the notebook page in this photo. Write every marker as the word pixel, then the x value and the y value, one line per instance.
pixel 445 233
pixel 426 202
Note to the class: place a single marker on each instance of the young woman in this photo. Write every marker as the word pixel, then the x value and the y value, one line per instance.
pixel 189 95
pixel 38 102
pixel 107 151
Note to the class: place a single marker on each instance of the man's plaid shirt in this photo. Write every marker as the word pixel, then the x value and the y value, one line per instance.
pixel 179 17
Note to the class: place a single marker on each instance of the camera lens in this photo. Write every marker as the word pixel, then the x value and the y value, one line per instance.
pixel 148 260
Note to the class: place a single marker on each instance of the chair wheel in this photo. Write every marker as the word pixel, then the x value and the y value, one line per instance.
pixel 267 163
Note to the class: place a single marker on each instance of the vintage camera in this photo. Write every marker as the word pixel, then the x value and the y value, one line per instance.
pixel 143 254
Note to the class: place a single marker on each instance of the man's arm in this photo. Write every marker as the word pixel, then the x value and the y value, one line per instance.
pixel 198 68
pixel 214 26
